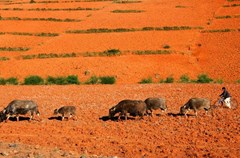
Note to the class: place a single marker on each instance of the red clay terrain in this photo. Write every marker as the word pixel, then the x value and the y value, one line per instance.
pixel 193 51
pixel 201 37
pixel 93 134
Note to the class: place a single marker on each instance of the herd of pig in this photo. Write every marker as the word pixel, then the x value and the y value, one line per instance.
pixel 125 108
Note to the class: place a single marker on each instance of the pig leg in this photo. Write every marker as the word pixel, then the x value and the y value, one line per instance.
pixel 8 116
pixel 195 111
pixel 17 116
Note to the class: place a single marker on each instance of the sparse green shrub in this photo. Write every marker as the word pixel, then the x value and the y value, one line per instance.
pixel 14 49
pixel 87 72
pixel 4 58
pixel 127 11
pixel 203 78
pixel 166 46
pixel 2 81
pixel 112 52
pixel 33 80
pixel 219 81
pixel 146 81
pixel 32 1
pixel 238 81
pixel 148 28
pixel 12 81
pixel 147 52
pixel 92 80
pixel 51 80
pixel 184 79
pixel 107 80
pixel 72 79
pixel 169 79
pixel 60 80
pixel 180 6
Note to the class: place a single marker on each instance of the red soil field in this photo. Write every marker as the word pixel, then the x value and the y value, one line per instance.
pixel 193 52
pixel 170 135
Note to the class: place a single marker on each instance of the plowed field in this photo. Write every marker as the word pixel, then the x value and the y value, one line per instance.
pixel 93 134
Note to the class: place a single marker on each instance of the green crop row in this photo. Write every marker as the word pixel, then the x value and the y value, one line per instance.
pixel 42 34
pixel 40 19
pixel 127 11
pixel 109 52
pixel 202 78
pixel 216 31
pixel 51 55
pixel 146 52
pixel 227 16
pixel 60 80
pixel 13 49
pixel 232 5
pixel 126 1
pixel 49 9
pixel 70 1
pixel 106 30
pixel 4 58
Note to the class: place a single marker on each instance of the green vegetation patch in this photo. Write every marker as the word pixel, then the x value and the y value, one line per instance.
pixel 180 6
pixel 62 9
pixel 146 81
pixel 42 34
pixel 232 5
pixel 13 49
pixel 184 79
pixel 107 79
pixel 33 80
pixel 71 79
pixel 40 19
pixel 4 58
pixel 227 16
pixel 216 31
pixel 127 11
pixel 110 52
pixel 203 78
pixel 126 1
pixel 106 30
pixel 51 55
pixel 101 80
pixel 148 52
pixel 9 81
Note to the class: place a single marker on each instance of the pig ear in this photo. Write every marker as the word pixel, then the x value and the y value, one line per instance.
pixel 113 108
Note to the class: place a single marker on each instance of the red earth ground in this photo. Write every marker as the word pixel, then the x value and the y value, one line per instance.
pixel 194 51
pixel 92 133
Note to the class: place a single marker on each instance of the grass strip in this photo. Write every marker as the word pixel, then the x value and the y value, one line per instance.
pixel 227 16
pixel 40 19
pixel 13 49
pixel 149 52
pixel 50 9
pixel 106 30
pixel 127 11
pixel 216 31
pixel 126 1
pixel 42 34
pixel 51 55
pixel 4 58
pixel 232 5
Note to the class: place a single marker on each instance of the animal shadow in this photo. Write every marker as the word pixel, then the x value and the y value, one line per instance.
pixel 178 114
pixel 20 119
pixel 59 118
pixel 106 118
